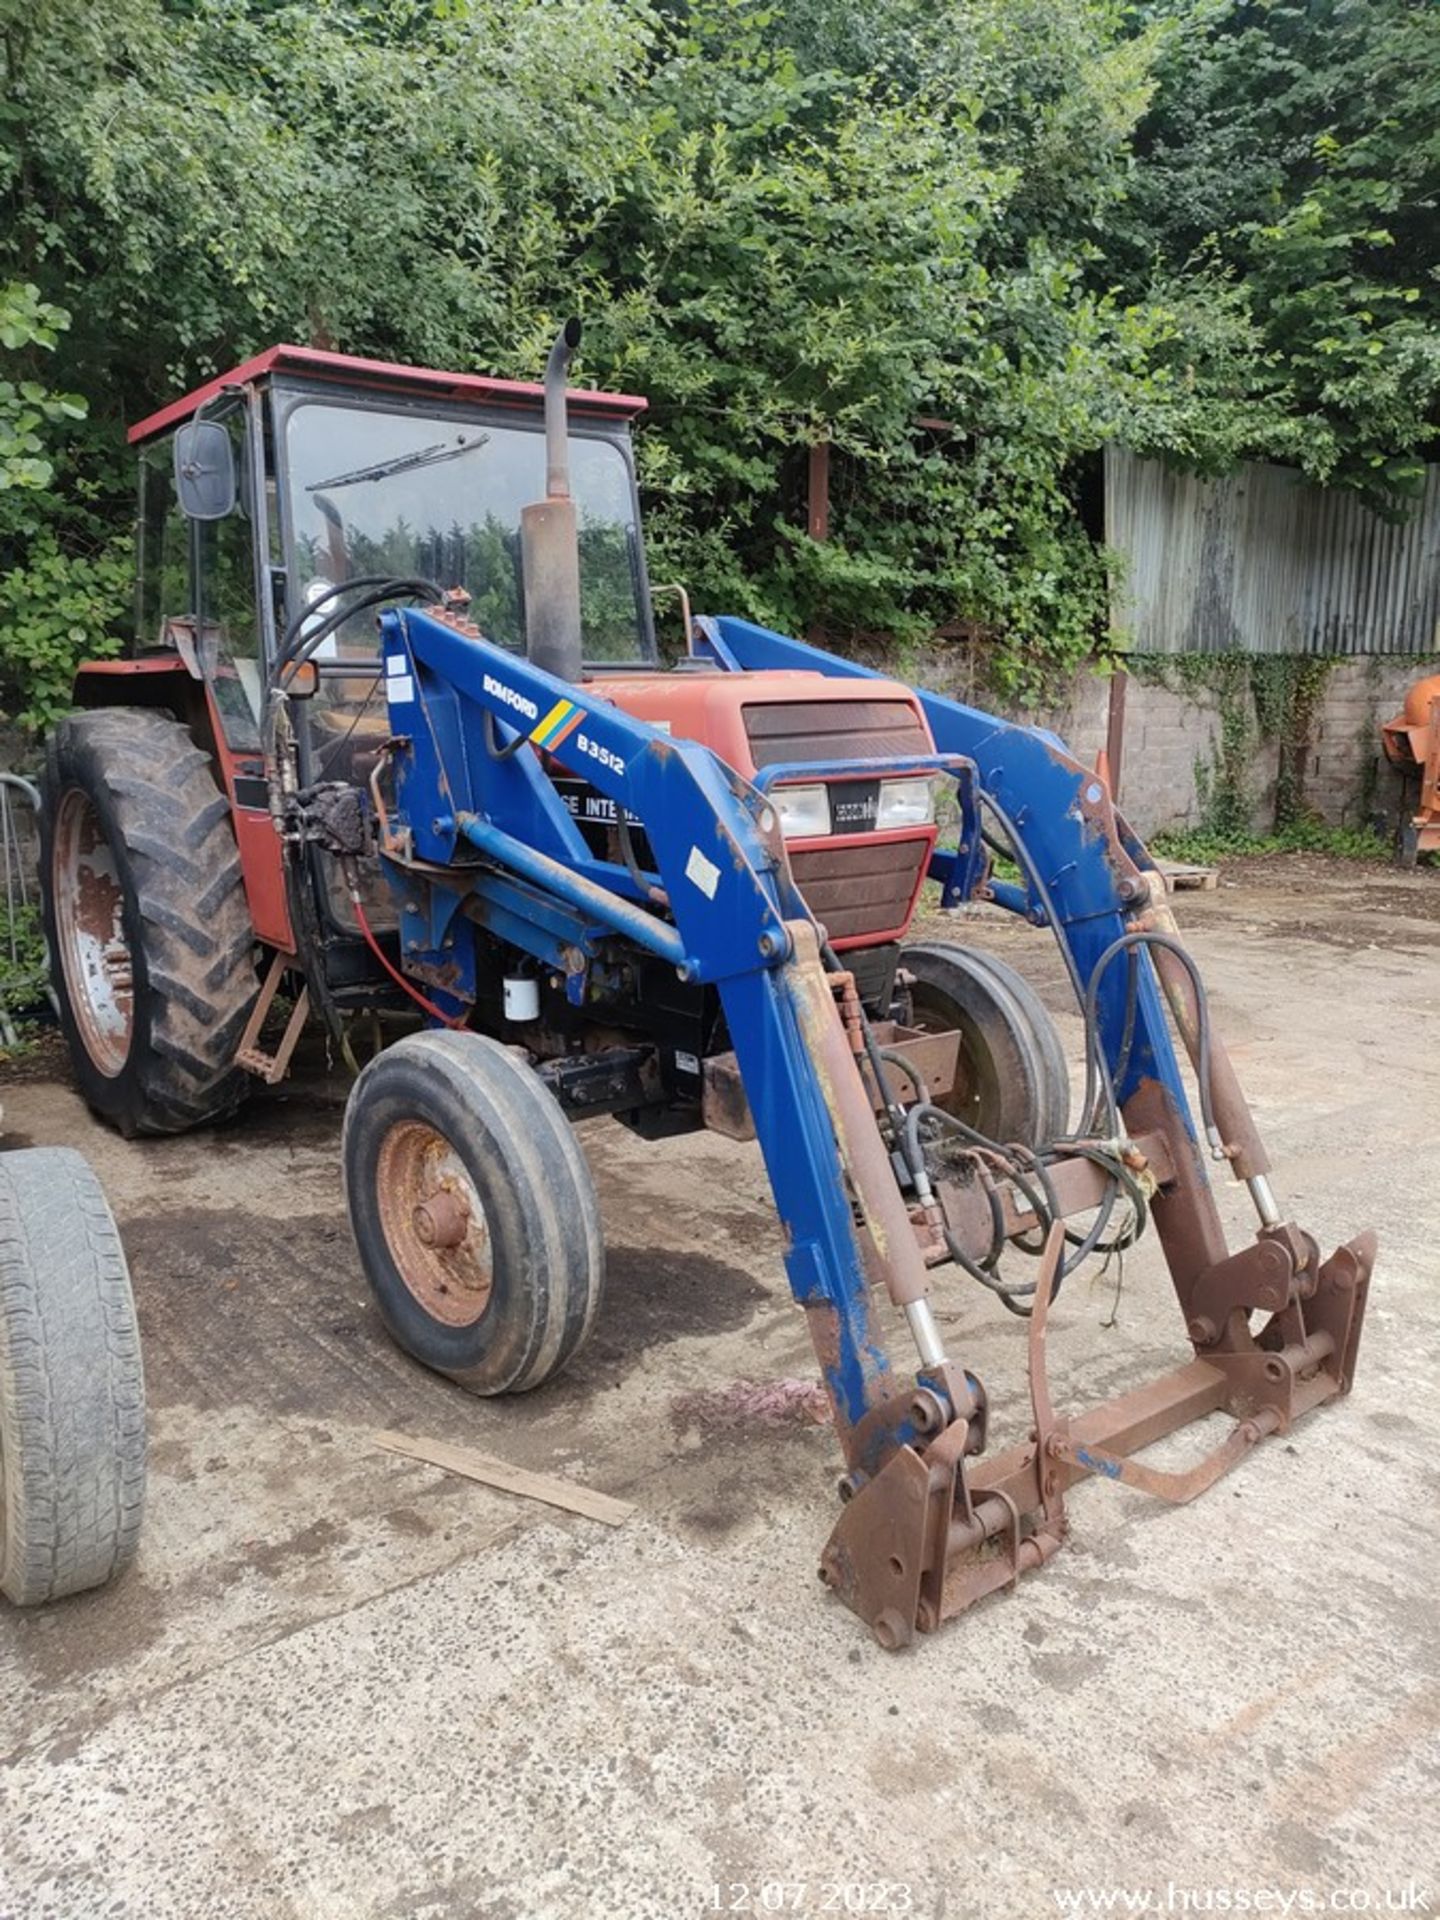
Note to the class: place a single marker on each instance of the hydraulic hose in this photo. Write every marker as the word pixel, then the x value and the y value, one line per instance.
pixel 1128 943
pixel 1024 1167
pixel 298 646
pixel 352 884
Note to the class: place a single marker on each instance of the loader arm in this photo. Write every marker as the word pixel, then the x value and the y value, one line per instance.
pixel 1095 884
pixel 735 920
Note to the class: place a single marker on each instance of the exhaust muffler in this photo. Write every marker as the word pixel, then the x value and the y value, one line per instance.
pixel 550 535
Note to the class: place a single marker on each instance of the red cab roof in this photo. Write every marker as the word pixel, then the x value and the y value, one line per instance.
pixel 346 369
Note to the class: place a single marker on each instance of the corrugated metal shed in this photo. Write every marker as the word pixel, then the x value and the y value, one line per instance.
pixel 1263 562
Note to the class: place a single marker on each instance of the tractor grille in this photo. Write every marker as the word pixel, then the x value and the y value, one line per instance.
pixel 859 891
pixel 834 730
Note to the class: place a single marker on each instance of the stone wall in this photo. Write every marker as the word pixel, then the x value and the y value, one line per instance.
pixel 1172 737
pixel 1348 779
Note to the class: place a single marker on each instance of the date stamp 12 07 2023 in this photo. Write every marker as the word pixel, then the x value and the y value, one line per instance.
pixel 809 1896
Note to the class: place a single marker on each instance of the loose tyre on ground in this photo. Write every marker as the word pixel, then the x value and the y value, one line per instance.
pixel 1012 1082
pixel 145 913
pixel 72 1394
pixel 473 1211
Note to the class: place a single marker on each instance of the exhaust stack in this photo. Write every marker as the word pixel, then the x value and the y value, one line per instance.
pixel 550 535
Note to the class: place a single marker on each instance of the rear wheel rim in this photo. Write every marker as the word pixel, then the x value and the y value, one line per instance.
pixel 434 1224
pixel 95 955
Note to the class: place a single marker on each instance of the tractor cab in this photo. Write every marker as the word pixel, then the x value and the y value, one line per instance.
pixel 346 469
pixel 310 476
pixel 315 475
pixel 273 499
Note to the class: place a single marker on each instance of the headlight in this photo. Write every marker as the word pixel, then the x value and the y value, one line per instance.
pixel 906 803
pixel 804 811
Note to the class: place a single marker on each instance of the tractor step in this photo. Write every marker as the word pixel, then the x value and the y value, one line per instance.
pixel 271 1067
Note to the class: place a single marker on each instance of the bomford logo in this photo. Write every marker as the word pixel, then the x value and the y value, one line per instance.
pixel 511 697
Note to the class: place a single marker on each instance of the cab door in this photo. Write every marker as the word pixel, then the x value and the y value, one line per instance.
pixel 204 592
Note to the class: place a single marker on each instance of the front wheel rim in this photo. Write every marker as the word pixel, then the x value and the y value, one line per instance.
pixel 95 956
pixel 434 1224
pixel 974 1097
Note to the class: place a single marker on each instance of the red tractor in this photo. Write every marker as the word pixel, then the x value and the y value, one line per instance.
pixel 395 739
pixel 166 890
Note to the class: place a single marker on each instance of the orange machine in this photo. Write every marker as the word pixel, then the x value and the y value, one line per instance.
pixel 1412 743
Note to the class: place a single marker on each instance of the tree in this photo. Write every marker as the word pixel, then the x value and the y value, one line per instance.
pixel 1205 227
pixel 1290 169
pixel 51 598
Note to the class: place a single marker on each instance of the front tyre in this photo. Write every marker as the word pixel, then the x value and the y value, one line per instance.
pixel 473 1211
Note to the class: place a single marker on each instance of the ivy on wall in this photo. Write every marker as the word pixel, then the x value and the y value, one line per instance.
pixel 1259 700
pixel 1286 689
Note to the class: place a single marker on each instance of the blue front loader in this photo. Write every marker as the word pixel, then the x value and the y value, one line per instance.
pixel 480 846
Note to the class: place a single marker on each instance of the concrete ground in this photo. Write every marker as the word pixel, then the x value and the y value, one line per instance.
pixel 339 1683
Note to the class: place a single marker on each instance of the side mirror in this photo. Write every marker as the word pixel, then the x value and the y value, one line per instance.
pixel 204 470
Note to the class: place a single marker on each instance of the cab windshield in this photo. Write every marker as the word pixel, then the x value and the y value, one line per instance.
pixel 410 494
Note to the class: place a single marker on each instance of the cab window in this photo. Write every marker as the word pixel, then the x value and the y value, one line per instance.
pixel 227 607
pixel 163 559
pixel 373 490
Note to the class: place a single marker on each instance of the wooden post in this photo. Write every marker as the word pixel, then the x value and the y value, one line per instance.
pixel 1115 729
pixel 819 490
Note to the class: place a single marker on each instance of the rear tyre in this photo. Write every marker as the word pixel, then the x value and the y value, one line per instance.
pixel 150 936
pixel 473 1211
pixel 72 1394
pixel 1012 1082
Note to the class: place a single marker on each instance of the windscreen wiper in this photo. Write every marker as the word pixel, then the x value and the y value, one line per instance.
pixel 402 463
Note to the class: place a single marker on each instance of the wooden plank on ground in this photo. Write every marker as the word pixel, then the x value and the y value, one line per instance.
pixel 508 1478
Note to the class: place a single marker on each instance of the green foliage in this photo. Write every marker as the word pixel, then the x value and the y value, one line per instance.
pixel 26 407
pixel 1286 689
pixel 1286 174
pixel 791 286
pixel 59 591
pixel 23 973
pixel 964 243
pixel 22 961
pixel 55 611
pixel 1206 847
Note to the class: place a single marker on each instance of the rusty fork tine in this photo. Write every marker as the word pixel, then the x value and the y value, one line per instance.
pixel 1054 1443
